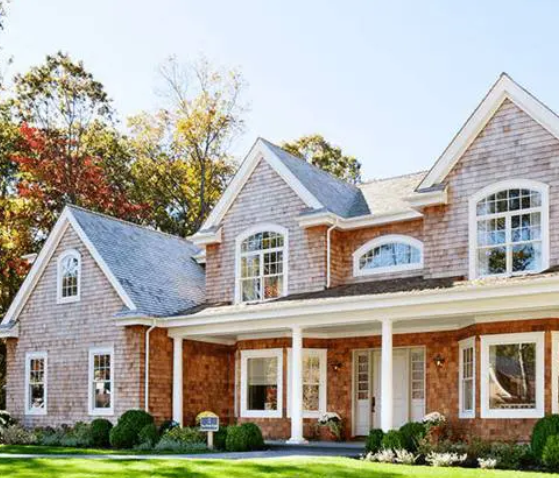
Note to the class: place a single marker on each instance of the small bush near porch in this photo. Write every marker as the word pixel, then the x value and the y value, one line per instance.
pixel 278 468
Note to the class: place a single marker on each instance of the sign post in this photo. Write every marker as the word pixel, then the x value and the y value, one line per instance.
pixel 209 424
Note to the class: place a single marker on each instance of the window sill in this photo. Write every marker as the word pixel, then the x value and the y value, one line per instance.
pixel 466 415
pixel 261 414
pixel 102 413
pixel 35 413
pixel 67 300
pixel 507 414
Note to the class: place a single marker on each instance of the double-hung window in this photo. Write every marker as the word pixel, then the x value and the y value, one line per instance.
pixel 467 374
pixel 512 375
pixel 262 383
pixel 69 275
pixel 261 264
pixel 36 383
pixel 101 381
pixel 509 229
pixel 314 382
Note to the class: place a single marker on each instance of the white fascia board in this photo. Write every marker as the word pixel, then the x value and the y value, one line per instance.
pixel 37 268
pixel 433 198
pixel 369 220
pixel 100 262
pixel 503 297
pixel 11 333
pixel 202 239
pixel 259 151
pixel 504 88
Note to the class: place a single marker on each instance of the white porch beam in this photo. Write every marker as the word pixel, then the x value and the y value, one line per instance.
pixel 297 387
pixel 177 381
pixel 387 405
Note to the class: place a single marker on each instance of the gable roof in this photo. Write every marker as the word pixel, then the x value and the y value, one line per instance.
pixel 317 189
pixel 153 273
pixel 504 88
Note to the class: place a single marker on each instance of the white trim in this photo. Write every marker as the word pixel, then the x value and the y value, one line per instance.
pixel 469 343
pixel 555 372
pixel 261 353
pixel 102 412
pixel 203 238
pixel 43 259
pixel 537 338
pixel 493 188
pixel 323 371
pixel 178 379
pixel 262 227
pixel 59 278
pixel 35 356
pixel 323 218
pixel 382 240
pixel 259 151
pixel 504 88
pixel 428 198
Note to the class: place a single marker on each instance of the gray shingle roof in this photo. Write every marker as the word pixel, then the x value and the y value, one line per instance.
pixel 337 196
pixel 156 270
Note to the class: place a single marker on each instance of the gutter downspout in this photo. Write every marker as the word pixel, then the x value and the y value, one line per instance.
pixel 329 252
pixel 146 374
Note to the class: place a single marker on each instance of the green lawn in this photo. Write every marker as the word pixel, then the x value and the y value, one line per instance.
pixel 275 468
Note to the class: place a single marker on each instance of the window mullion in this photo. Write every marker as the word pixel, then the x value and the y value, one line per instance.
pixel 508 239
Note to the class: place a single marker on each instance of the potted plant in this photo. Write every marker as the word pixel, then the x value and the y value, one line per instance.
pixel 332 422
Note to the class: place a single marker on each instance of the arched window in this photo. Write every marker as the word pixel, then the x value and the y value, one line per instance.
pixel 69 274
pixel 261 263
pixel 390 253
pixel 508 229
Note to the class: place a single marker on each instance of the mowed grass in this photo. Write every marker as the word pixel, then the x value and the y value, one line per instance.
pixel 275 468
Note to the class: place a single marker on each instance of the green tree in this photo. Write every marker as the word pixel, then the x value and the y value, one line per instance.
pixel 182 152
pixel 319 152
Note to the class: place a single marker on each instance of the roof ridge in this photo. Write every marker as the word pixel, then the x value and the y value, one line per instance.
pixel 399 176
pixel 129 223
pixel 315 168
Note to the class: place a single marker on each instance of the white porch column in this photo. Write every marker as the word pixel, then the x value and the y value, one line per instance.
pixel 177 380
pixel 297 387
pixel 387 405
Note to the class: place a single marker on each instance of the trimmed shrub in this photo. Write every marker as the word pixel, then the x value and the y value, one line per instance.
pixel 149 436
pixel 126 433
pixel 543 429
pixel 550 454
pixel 392 440
pixel 374 440
pixel 80 434
pixel 237 439
pixel 220 437
pixel 255 441
pixel 411 434
pixel 511 456
pixel 100 430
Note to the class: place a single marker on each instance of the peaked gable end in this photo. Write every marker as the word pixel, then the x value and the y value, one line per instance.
pixel 505 89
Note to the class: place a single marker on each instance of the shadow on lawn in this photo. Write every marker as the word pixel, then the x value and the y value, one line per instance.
pixel 80 468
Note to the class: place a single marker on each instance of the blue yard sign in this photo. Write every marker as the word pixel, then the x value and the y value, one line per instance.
pixel 209 424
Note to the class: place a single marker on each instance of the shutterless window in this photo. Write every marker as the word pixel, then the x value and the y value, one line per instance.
pixel 101 366
pixel 262 383
pixel 509 232
pixel 390 255
pixel 69 265
pixel 262 266
pixel 467 378
pixel 36 379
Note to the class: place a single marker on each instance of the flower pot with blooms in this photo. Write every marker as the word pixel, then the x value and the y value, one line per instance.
pixel 435 424
pixel 333 422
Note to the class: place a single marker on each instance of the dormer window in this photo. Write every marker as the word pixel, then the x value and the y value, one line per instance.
pixel 69 275
pixel 508 231
pixel 261 264
pixel 391 253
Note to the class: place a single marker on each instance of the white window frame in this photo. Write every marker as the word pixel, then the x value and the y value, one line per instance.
pixel 255 230
pixel 380 241
pixel 261 353
pixel 75 298
pixel 34 356
pixel 542 188
pixel 469 343
pixel 104 412
pixel 322 355
pixel 555 372
pixel 486 341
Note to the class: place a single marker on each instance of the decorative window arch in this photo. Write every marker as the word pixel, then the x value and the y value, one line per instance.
pixel 261 263
pixel 509 229
pixel 69 277
pixel 390 253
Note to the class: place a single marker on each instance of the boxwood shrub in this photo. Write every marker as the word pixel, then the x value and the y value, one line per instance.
pixel 126 433
pixel 374 440
pixel 543 429
pixel 100 431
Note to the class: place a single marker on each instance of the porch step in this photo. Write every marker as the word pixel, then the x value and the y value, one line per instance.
pixel 348 448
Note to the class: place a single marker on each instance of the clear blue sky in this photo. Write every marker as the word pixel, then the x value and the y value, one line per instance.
pixel 391 82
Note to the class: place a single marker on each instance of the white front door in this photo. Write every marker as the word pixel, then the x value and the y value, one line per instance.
pixel 401 387
pixel 362 381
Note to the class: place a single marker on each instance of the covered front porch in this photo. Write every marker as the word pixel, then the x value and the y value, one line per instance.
pixel 283 366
